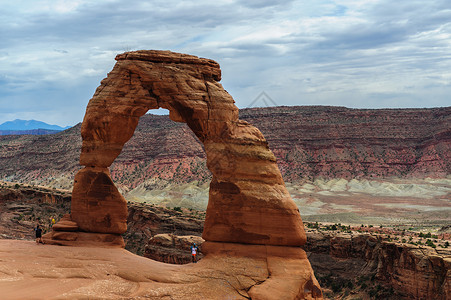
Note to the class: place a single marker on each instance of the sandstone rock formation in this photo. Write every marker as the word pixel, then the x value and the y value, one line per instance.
pixel 248 200
pixel 249 214
pixel 29 271
pixel 414 272
pixel 173 249
pixel 147 221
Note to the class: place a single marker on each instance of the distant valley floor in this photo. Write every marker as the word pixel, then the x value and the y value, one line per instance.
pixel 414 202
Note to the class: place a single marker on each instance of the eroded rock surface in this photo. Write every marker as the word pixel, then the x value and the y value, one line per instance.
pixel 250 214
pixel 248 200
pixel 173 249
pixel 87 273
pixel 414 272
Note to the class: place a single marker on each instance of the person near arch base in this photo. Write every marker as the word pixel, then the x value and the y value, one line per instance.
pixel 194 250
pixel 38 231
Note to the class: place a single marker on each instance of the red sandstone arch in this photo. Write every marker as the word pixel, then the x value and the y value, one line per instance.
pixel 248 201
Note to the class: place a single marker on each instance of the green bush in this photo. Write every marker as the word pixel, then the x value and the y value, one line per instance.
pixel 430 243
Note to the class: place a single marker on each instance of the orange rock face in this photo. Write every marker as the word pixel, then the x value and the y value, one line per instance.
pixel 248 200
pixel 97 205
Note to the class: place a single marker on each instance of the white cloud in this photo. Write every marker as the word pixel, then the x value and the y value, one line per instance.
pixel 373 53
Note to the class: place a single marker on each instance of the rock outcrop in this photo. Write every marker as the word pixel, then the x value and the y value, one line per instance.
pixel 413 272
pixel 147 221
pixel 114 273
pixel 250 213
pixel 248 201
pixel 173 249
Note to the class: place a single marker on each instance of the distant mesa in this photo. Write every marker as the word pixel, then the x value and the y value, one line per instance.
pixel 18 127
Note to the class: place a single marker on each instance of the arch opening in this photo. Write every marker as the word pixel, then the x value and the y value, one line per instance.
pixel 164 163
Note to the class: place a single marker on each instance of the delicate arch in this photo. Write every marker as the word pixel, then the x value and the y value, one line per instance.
pixel 248 201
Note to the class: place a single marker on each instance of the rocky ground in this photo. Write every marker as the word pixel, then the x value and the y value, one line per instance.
pixel 31 271
pixel 351 262
pixel 23 206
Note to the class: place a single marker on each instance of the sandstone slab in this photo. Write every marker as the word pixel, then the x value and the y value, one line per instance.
pixel 30 271
pixel 65 224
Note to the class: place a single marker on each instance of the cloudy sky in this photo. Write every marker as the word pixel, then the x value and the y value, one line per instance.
pixel 353 53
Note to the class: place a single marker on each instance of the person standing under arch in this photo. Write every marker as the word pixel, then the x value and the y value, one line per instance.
pixel 194 250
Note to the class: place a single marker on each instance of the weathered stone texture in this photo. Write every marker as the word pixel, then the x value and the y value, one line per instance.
pixel 248 199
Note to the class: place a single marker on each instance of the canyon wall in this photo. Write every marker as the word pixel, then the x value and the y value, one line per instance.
pixel 361 261
pixel 414 272
pixel 308 142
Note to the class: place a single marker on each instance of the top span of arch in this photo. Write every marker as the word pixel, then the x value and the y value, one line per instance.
pixel 158 56
pixel 149 79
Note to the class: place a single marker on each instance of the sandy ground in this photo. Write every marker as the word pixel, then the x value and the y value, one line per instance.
pixel 31 271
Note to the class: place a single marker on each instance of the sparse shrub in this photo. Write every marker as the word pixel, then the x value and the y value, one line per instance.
pixel 430 243
pixel 16 186
pixel 372 293
pixel 336 287
pixel 362 279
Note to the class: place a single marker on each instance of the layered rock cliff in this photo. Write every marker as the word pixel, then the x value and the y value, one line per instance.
pixel 413 272
pixel 308 142
pixel 337 142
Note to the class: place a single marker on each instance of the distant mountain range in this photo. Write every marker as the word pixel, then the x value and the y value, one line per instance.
pixel 18 127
